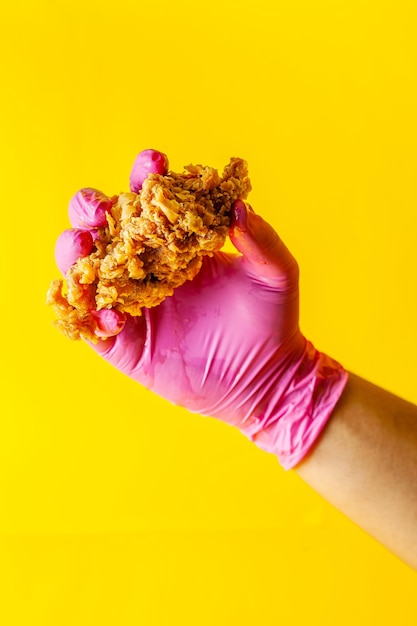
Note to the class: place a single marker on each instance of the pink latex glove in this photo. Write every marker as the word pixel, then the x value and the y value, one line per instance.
pixel 228 345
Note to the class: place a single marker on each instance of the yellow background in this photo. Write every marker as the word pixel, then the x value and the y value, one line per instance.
pixel 116 508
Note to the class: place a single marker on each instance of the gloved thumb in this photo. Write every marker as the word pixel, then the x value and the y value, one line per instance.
pixel 265 254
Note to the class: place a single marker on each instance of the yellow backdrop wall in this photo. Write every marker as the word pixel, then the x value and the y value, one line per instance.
pixel 115 507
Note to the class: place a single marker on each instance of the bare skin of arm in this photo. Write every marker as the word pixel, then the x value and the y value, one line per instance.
pixel 365 464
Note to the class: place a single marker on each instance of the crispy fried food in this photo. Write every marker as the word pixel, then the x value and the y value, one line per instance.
pixel 153 242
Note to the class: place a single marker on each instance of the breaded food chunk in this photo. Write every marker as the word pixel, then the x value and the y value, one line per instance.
pixel 153 242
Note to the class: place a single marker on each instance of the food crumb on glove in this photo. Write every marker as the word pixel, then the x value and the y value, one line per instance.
pixel 153 242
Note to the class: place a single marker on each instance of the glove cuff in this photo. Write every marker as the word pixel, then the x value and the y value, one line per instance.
pixel 303 409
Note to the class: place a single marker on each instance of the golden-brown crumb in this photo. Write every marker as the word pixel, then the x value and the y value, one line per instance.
pixel 153 242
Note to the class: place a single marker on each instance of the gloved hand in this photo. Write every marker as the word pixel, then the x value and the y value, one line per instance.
pixel 228 345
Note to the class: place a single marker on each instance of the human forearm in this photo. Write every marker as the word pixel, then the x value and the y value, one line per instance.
pixel 365 464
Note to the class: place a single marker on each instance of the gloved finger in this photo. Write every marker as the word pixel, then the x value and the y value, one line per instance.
pixel 147 162
pixel 110 322
pixel 265 254
pixel 124 351
pixel 89 208
pixel 71 245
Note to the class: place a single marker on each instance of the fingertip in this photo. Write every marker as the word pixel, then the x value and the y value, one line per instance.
pixel 147 162
pixel 260 245
pixel 239 216
pixel 109 322
pixel 71 245
pixel 125 349
pixel 88 208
